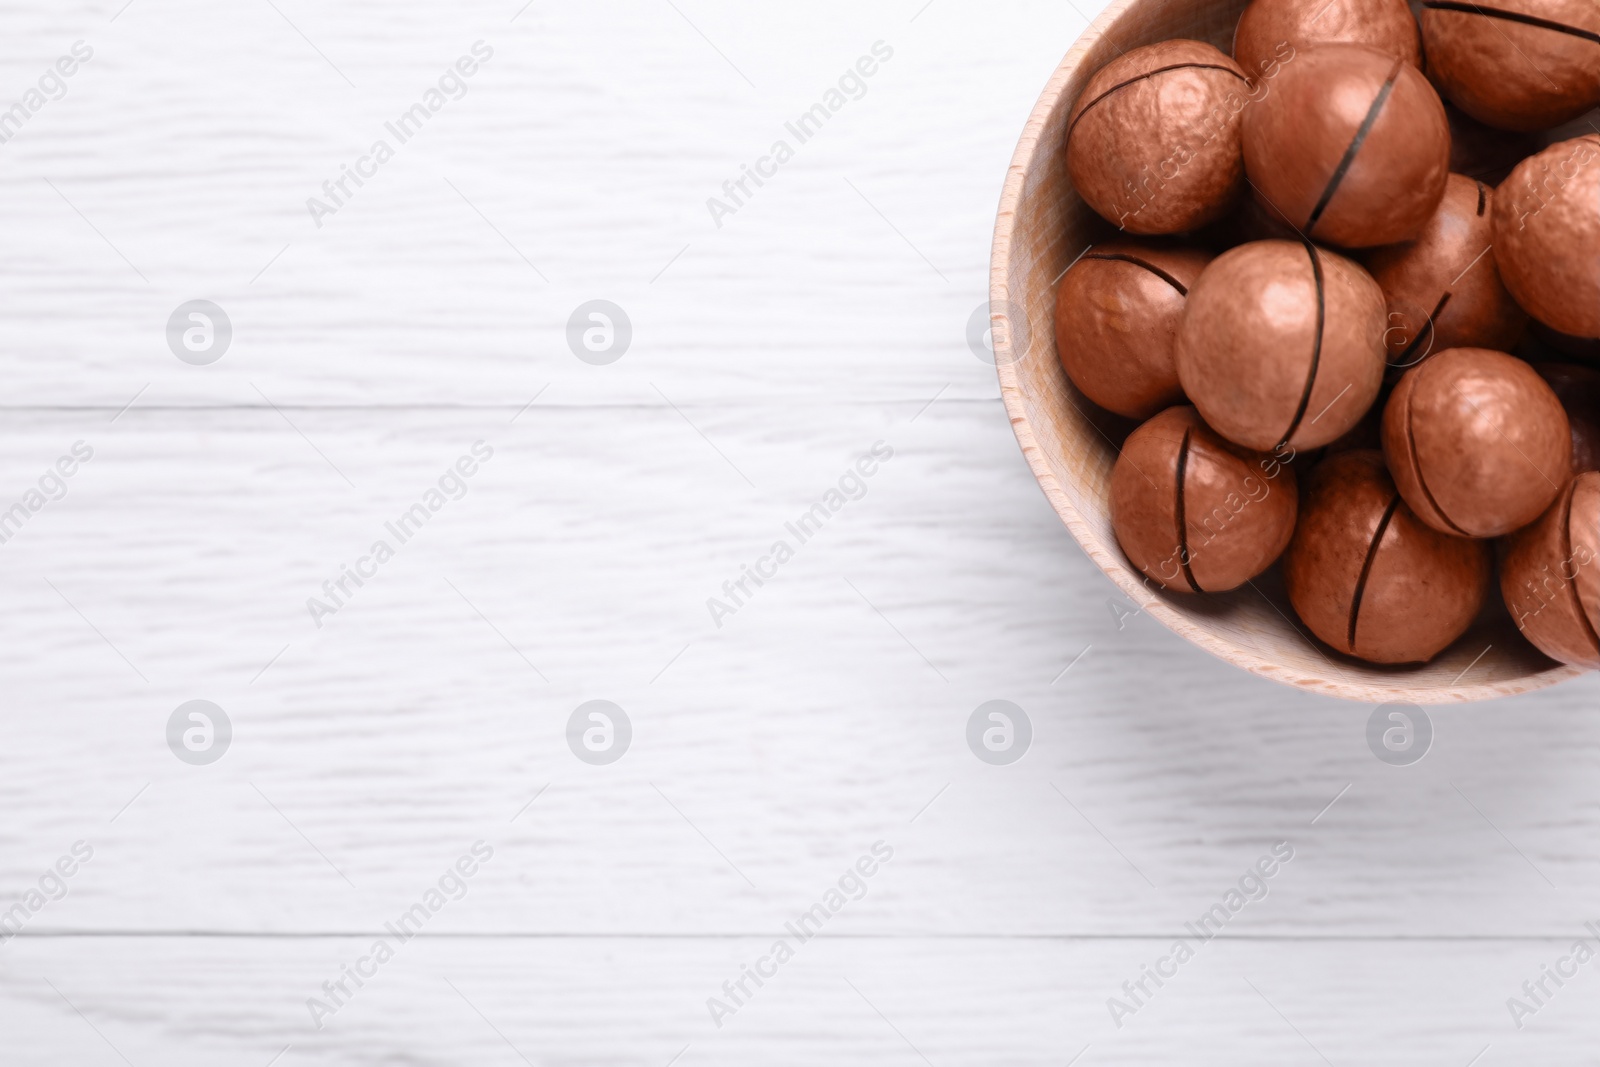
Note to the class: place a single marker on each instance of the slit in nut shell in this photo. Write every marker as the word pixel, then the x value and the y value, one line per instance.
pixel 1351 146
pixel 1443 289
pixel 1281 345
pixel 1153 141
pixel 1196 513
pixel 1478 443
pixel 1117 314
pixel 1371 580
pixel 1515 64
pixel 1545 569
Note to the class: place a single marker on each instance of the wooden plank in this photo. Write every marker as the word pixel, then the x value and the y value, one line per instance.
pixel 578 165
pixel 614 1001
pixel 825 714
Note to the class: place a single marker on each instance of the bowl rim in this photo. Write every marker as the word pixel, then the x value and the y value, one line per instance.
pixel 1369 689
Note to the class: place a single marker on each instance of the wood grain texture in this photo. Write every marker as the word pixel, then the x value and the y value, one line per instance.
pixel 618 1001
pixel 827 713
pixel 589 145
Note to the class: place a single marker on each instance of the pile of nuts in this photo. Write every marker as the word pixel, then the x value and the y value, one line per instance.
pixel 1357 328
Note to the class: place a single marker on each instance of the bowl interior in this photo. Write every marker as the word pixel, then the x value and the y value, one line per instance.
pixel 1071 446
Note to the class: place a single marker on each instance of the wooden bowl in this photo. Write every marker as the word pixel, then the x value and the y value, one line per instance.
pixel 1071 446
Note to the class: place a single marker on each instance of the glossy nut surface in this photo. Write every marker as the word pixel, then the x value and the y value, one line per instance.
pixel 1547 235
pixel 1117 314
pixel 1350 145
pixel 1196 513
pixel 1153 141
pixel 1272 32
pixel 1478 443
pixel 1282 343
pixel 1442 288
pixel 1516 64
pixel 1540 570
pixel 1578 389
pixel 1371 580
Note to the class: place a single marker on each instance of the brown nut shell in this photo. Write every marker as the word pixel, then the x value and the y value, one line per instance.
pixel 1117 314
pixel 1585 532
pixel 1282 344
pixel 1350 145
pixel 1540 568
pixel 1153 141
pixel 1443 289
pixel 1196 513
pixel 1271 32
pixel 1371 580
pixel 1578 389
pixel 1515 64
pixel 1478 443
pixel 1547 235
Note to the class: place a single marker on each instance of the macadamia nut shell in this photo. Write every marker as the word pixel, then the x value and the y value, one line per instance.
pixel 1478 443
pixel 1153 140
pixel 1515 64
pixel 1282 344
pixel 1540 568
pixel 1443 289
pixel 1272 32
pixel 1350 145
pixel 1117 314
pixel 1196 513
pixel 1547 235
pixel 1371 580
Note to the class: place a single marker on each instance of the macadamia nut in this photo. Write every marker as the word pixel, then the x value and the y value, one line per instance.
pixel 1478 443
pixel 1371 580
pixel 1443 289
pixel 1153 141
pixel 1540 569
pixel 1282 344
pixel 1271 32
pixel 1350 145
pixel 1547 235
pixel 1515 64
pixel 1196 513
pixel 1117 314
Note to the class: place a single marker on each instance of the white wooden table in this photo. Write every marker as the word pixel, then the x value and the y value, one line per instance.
pixel 827 713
